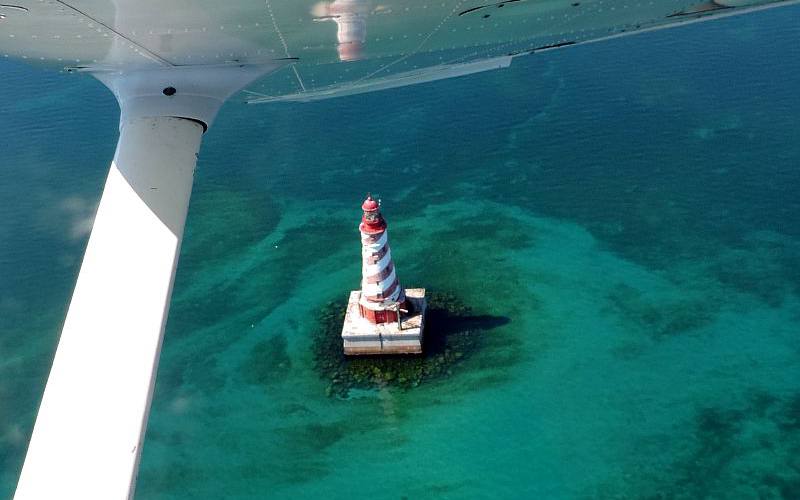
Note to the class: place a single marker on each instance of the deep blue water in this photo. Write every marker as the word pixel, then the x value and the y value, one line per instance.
pixel 630 208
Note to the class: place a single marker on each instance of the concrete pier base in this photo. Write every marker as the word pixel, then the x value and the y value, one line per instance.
pixel 359 336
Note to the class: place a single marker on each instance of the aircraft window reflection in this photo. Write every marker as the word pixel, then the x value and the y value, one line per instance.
pixel 350 17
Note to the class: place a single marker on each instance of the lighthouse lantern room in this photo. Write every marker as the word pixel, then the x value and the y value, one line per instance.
pixel 382 317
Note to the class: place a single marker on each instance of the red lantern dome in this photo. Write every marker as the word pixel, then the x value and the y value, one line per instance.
pixel 369 204
pixel 372 221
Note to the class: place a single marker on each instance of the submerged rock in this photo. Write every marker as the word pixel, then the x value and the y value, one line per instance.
pixel 452 335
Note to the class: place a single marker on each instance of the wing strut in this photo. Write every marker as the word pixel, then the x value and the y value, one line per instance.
pixel 88 434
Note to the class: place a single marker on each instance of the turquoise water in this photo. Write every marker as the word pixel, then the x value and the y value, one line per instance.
pixel 630 207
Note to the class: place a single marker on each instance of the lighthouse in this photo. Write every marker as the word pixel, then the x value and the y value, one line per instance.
pixel 382 317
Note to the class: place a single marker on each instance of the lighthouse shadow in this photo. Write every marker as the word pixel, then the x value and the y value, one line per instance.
pixel 457 330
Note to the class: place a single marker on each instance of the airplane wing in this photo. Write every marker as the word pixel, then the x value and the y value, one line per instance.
pixel 329 47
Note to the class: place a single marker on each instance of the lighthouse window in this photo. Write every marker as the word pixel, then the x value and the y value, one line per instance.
pixel 371 216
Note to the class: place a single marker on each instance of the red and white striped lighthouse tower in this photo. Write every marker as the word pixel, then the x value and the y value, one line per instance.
pixel 382 297
pixel 382 317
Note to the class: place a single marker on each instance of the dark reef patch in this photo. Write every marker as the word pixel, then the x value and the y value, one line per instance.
pixel 789 420
pixel 222 222
pixel 731 445
pixel 749 450
pixel 268 362
pixel 248 300
pixel 659 319
pixel 452 334
pixel 300 246
pixel 303 452
pixel 491 226
pixel 766 269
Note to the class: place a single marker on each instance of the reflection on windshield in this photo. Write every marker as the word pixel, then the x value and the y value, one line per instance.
pixel 351 21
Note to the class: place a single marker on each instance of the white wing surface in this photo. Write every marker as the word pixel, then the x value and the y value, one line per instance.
pixel 339 44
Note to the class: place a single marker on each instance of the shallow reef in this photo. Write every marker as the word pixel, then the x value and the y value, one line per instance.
pixel 452 334
pixel 744 450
